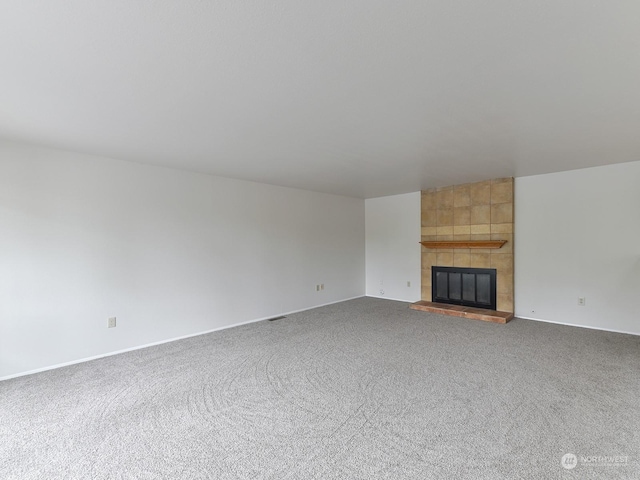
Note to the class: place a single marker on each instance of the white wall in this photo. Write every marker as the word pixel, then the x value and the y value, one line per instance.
pixel 393 248
pixel 578 235
pixel 169 253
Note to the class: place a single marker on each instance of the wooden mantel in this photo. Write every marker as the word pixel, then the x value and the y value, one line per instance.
pixel 464 244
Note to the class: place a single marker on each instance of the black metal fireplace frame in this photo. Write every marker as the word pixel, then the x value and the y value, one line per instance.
pixel 491 305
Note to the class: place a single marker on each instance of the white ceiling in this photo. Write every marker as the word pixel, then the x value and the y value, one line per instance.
pixel 363 98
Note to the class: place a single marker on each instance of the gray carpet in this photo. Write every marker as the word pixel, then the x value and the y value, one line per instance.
pixel 365 389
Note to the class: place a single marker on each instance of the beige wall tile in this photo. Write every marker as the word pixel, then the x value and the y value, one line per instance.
pixel 429 231
pixel 429 238
pixel 462 195
pixel 480 260
pixel 444 197
pixel 429 218
pixel 445 230
pixel 502 192
pixel 504 283
pixel 502 180
pixel 429 201
pixel 480 193
pixel 502 228
pixel 461 215
pixel 426 294
pixel 428 259
pixel 445 259
pixel 502 262
pixel 502 213
pixel 462 230
pixel 481 229
pixel 445 216
pixel 480 214
pixel 505 303
pixel 461 259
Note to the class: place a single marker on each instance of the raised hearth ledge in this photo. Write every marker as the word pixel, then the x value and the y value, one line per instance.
pixel 465 312
pixel 464 244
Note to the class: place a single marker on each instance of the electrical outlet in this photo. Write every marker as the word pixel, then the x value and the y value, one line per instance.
pixel 112 322
pixel 322 286
pixel 581 301
pixel 317 288
pixel 408 284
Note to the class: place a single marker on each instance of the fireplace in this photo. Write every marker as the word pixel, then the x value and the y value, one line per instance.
pixel 470 287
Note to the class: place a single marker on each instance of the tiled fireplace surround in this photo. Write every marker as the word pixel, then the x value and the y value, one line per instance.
pixel 469 212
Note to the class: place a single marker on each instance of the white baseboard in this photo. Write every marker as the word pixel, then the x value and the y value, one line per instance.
pixel 311 308
pixel 577 325
pixel 390 298
pixel 146 345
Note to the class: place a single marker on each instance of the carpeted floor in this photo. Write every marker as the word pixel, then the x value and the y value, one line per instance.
pixel 365 389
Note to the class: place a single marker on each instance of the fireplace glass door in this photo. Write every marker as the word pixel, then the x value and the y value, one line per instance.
pixel 471 287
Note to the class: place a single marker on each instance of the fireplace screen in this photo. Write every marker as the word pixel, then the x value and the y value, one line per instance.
pixel 471 287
